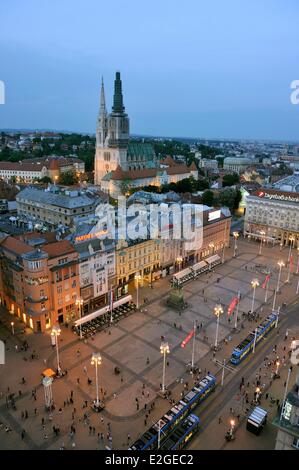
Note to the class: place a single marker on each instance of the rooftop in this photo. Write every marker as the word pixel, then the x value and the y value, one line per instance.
pixel 60 199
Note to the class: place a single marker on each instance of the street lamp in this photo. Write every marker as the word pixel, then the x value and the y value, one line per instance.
pixel 254 283
pixel 96 360
pixel 263 233
pixel 218 310
pixel 280 264
pixel 277 367
pixel 164 349
pixel 257 394
pixel 137 278
pixel 79 303
pixel 291 239
pixel 236 236
pixel 179 260
pixel 55 333
pixel 12 327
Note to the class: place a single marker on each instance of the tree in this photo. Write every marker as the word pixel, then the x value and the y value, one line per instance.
pixel 230 198
pixel 44 179
pixel 230 180
pixel 203 184
pixel 208 198
pixel 68 178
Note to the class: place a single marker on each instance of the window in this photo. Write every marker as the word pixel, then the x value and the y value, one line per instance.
pixel 59 289
pixel 34 264
pixel 62 261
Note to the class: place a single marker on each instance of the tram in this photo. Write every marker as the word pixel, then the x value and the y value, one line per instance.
pixel 165 425
pixel 246 346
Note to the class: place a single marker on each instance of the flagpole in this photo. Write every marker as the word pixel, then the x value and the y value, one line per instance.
pixel 237 310
pixel 193 346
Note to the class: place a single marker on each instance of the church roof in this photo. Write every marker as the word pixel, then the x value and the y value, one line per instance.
pixel 119 174
pixel 141 149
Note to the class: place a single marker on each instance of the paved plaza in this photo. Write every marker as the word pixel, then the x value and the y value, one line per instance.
pixel 132 345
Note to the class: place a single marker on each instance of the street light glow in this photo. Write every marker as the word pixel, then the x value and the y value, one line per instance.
pixel 218 310
pixel 164 348
pixel 255 283
pixel 96 359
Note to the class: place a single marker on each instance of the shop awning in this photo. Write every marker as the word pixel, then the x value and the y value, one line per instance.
pixel 199 266
pixel 212 259
pixel 183 273
pixel 103 310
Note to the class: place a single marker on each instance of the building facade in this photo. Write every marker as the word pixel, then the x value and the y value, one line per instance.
pixel 33 169
pixel 39 281
pixel 96 272
pixel 55 206
pixel 274 212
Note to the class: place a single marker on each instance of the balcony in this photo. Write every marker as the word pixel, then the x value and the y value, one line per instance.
pixel 38 300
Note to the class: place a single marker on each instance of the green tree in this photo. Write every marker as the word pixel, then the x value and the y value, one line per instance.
pixel 208 198
pixel 68 178
pixel 230 180
pixel 45 179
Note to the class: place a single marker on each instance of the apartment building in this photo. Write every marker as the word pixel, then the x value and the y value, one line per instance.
pixel 39 281
pixel 55 205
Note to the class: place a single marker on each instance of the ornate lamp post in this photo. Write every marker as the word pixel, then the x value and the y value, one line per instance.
pixel 55 333
pixel 236 236
pixel 79 303
pixel 137 278
pixel 263 233
pixel 291 239
pixel 218 310
pixel 254 283
pixel 164 349
pixel 96 360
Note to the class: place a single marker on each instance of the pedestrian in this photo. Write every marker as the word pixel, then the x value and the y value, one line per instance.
pixel 23 434
pixel 220 420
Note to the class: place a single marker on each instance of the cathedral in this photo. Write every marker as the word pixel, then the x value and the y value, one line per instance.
pixel 121 164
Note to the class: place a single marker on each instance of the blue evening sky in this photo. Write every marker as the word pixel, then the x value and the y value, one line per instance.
pixel 205 68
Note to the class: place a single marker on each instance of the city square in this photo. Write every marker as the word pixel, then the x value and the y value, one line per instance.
pixel 133 346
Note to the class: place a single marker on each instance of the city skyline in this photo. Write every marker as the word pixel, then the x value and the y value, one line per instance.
pixel 203 75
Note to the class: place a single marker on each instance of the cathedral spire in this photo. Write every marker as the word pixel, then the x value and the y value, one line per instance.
pixel 118 106
pixel 103 111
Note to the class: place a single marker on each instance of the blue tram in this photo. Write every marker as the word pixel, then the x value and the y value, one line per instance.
pixel 181 434
pixel 246 346
pixel 179 411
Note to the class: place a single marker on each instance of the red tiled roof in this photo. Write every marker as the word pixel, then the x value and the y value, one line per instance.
pixel 60 248
pixel 21 166
pixel 168 161
pixel 274 192
pixel 16 246
pixel 119 174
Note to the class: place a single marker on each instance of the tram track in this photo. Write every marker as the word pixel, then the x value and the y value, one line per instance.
pixel 210 409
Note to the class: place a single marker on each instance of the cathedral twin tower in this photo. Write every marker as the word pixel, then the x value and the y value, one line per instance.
pixel 112 134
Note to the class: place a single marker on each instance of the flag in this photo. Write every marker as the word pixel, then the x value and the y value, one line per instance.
pixel 232 305
pixel 291 264
pixel 267 279
pixel 187 339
